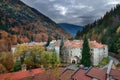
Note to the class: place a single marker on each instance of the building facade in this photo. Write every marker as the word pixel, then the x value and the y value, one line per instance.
pixel 72 51
pixel 54 46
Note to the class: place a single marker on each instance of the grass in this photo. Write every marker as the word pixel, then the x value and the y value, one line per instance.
pixel 104 61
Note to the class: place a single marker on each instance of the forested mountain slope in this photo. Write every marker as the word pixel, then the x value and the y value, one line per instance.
pixel 105 30
pixel 22 23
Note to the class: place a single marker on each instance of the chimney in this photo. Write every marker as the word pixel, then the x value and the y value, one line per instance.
pixel 81 66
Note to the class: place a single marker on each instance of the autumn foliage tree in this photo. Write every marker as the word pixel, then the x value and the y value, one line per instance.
pixel 2 69
pixel 20 51
pixel 53 60
pixel 36 56
pixel 45 59
pixel 7 60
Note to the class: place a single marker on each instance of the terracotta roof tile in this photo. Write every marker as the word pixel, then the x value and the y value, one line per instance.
pixel 95 72
pixel 52 74
pixel 115 74
pixel 94 44
pixel 67 44
pixel 75 44
pixel 80 75
pixel 20 74
pixel 66 75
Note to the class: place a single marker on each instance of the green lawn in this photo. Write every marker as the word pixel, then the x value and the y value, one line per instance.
pixel 104 61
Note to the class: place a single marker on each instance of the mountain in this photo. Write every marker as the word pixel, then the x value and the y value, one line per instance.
pixel 20 23
pixel 18 19
pixel 72 29
pixel 106 30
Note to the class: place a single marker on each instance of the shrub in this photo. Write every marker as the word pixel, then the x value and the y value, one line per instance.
pixel 17 66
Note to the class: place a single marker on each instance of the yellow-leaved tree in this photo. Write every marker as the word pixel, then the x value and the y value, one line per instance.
pixel 7 60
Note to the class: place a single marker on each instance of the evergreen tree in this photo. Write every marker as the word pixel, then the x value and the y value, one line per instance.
pixel 78 34
pixel 48 41
pixel 106 29
pixel 17 66
pixel 61 46
pixel 86 61
pixel 118 45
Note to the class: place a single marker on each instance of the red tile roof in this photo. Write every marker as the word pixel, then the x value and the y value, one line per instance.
pixel 66 75
pixel 115 74
pixel 75 44
pixel 52 74
pixel 44 76
pixel 95 72
pixel 94 44
pixel 80 75
pixel 67 43
pixel 20 74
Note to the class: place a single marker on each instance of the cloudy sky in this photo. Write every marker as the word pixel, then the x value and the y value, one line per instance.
pixel 78 12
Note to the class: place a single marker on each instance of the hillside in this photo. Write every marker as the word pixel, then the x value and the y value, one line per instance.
pixel 72 29
pixel 22 23
pixel 106 30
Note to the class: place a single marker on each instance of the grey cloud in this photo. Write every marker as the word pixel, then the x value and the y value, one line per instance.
pixel 80 12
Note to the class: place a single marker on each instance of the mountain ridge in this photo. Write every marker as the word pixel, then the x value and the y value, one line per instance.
pixel 71 28
pixel 22 23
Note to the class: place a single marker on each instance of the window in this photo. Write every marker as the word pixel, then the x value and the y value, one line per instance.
pixel 103 48
pixel 91 49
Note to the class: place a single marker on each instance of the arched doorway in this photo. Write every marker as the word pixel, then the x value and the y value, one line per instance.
pixel 75 60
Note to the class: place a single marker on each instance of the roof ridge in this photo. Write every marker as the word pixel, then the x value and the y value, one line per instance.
pixel 89 69
pixel 75 71
pixel 65 71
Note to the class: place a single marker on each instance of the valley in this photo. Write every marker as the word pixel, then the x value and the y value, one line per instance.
pixel 44 40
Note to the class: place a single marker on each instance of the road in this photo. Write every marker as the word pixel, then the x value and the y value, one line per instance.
pixel 114 60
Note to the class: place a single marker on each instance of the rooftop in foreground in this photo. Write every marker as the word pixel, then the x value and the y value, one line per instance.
pixel 21 74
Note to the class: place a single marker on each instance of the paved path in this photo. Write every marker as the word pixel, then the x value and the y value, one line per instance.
pixel 114 60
